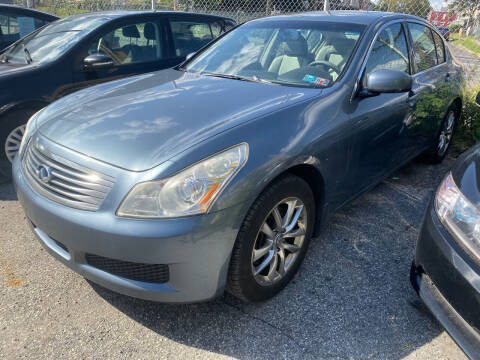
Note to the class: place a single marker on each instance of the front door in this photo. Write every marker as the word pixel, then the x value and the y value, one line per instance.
pixel 379 121
pixel 135 47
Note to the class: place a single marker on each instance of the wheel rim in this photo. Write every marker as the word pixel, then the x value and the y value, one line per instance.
pixel 14 139
pixel 446 134
pixel 279 241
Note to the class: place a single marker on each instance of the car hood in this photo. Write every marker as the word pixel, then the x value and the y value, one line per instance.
pixel 139 122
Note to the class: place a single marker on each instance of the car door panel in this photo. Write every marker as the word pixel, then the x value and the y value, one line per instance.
pixel 381 121
pixel 130 58
pixel 430 86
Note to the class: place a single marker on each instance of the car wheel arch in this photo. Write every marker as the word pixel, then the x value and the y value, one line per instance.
pixel 22 107
pixel 312 175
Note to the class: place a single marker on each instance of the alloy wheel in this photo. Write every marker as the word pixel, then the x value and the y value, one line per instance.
pixel 446 134
pixel 14 139
pixel 279 241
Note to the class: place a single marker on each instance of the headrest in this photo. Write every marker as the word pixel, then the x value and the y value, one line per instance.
pixel 149 31
pixel 293 44
pixel 130 31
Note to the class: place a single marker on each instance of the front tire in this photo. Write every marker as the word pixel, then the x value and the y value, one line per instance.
pixel 11 133
pixel 272 240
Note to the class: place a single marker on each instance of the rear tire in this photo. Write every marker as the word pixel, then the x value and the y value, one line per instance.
pixel 271 231
pixel 437 152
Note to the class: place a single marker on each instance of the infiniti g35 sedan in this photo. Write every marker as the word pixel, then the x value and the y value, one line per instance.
pixel 88 49
pixel 177 185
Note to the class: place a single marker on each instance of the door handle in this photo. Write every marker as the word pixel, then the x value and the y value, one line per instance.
pixel 412 99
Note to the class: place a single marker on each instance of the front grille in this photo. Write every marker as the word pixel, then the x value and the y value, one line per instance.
pixel 153 273
pixel 67 183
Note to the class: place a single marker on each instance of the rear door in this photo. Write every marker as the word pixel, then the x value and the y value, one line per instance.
pixel 135 46
pixel 429 96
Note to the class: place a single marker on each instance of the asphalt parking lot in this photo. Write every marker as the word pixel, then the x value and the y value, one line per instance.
pixel 350 300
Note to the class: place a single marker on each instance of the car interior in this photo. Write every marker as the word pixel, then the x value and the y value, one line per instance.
pixel 129 44
pixel 295 55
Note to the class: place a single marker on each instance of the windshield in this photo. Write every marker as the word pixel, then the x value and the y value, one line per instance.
pixel 299 53
pixel 52 40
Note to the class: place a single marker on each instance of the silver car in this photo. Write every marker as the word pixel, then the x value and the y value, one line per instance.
pixel 176 185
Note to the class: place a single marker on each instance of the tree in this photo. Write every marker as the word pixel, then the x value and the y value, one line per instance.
pixel 466 8
pixel 419 8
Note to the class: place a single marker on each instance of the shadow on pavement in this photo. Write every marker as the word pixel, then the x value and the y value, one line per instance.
pixel 7 192
pixel 350 299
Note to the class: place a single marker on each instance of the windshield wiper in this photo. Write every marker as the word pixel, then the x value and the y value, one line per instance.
pixel 28 58
pixel 237 77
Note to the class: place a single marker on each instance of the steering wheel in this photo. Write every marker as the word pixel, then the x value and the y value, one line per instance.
pixel 326 64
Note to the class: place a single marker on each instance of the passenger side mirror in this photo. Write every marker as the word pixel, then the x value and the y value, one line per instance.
pixel 477 99
pixel 388 81
pixel 97 61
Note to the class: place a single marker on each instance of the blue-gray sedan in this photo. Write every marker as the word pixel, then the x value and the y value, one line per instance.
pixel 176 185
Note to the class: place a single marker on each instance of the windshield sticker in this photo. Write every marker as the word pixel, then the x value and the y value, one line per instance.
pixel 316 80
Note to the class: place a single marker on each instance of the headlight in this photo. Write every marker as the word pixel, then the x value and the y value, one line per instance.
pixel 191 191
pixel 458 215
pixel 26 135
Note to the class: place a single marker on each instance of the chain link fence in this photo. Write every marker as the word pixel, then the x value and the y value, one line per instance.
pixel 240 10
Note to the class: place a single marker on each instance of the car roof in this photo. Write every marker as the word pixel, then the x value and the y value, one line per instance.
pixel 343 16
pixel 20 9
pixel 117 14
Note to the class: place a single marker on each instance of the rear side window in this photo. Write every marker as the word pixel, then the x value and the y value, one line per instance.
pixel 189 35
pixel 19 26
pixel 389 51
pixel 423 46
pixel 217 28
pixel 440 48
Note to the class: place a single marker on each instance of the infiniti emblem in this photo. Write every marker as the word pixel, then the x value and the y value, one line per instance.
pixel 44 173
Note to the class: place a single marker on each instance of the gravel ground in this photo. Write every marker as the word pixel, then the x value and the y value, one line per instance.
pixel 350 300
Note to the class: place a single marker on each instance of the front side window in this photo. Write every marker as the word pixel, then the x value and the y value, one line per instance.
pixel 440 48
pixel 307 54
pixel 423 46
pixel 130 44
pixel 53 40
pixel 189 35
pixel 389 51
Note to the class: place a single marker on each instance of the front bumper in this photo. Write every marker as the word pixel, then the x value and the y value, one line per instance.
pixel 196 249
pixel 448 281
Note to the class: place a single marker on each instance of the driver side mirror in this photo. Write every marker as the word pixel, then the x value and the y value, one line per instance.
pixel 97 61
pixel 388 81
pixel 477 99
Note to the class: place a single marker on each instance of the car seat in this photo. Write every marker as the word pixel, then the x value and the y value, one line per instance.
pixel 294 54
